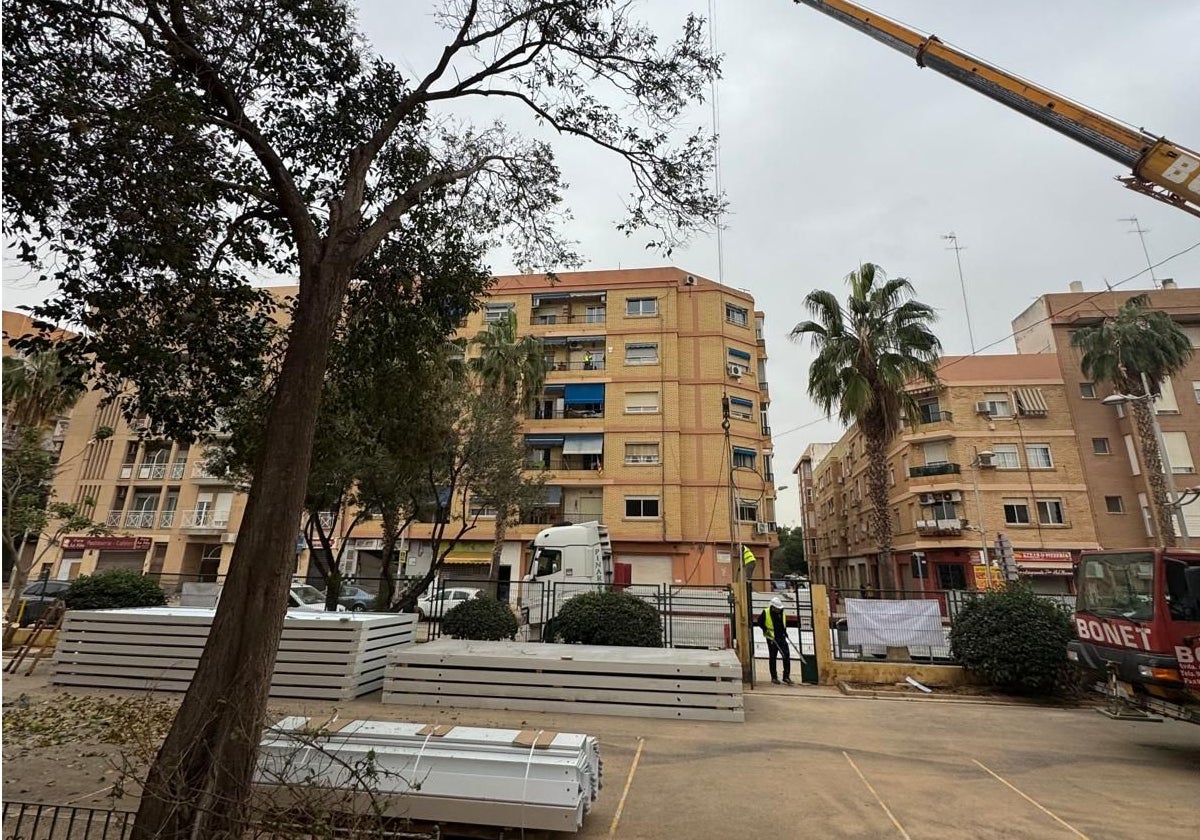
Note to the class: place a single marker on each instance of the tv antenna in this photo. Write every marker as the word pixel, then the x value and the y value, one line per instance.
pixel 1141 232
pixel 957 249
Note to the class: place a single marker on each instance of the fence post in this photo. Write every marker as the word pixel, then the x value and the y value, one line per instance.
pixel 821 644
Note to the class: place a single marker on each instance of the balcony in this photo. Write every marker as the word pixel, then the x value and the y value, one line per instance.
pixel 928 418
pixel 155 472
pixel 566 463
pixel 166 519
pixel 549 516
pixel 574 412
pixel 201 475
pixel 941 527
pixel 205 519
pixel 597 363
pixel 133 519
pixel 934 469
pixel 555 315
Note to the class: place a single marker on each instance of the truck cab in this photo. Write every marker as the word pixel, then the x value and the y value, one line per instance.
pixel 565 560
pixel 1137 617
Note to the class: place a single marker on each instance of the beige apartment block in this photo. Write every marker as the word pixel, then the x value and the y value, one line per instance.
pixel 947 505
pixel 628 430
pixel 1107 436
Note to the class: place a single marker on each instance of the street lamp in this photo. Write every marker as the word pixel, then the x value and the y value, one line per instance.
pixel 1175 502
pixel 982 459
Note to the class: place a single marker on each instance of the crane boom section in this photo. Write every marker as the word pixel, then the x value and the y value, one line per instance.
pixel 1173 169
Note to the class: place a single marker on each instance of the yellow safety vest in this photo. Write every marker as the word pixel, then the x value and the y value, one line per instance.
pixel 770 624
pixel 748 556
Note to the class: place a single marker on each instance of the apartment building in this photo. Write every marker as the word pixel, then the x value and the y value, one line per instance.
pixel 1113 471
pixel 948 501
pixel 628 430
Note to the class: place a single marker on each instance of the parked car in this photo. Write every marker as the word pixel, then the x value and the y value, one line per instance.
pixel 437 602
pixel 355 599
pixel 308 598
pixel 38 596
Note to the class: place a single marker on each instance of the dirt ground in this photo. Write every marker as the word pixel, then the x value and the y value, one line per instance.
pixel 808 762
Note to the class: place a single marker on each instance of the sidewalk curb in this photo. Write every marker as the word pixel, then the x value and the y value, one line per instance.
pixel 868 694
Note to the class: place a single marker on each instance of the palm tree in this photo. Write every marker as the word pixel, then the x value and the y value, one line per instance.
pixel 39 388
pixel 868 352
pixel 514 368
pixel 1134 351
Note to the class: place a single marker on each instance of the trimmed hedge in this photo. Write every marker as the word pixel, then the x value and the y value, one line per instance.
pixel 114 589
pixel 1014 640
pixel 608 618
pixel 482 619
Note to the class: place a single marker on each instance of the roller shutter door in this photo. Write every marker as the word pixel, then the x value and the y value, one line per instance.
pixel 648 568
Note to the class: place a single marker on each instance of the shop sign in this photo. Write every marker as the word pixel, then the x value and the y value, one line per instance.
pixel 107 543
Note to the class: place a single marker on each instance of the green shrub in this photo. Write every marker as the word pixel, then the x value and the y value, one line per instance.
pixel 115 589
pixel 482 619
pixel 1014 640
pixel 608 618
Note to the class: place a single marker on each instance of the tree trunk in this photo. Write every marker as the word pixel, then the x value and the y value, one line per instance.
pixel 880 520
pixel 198 786
pixel 1152 465
pixel 17 581
pixel 498 548
pixel 387 576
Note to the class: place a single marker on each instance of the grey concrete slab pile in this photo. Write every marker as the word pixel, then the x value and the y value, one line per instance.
pixel 508 778
pixel 322 656
pixel 584 679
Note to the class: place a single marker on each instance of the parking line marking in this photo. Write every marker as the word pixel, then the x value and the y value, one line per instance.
pixel 1031 800
pixel 885 808
pixel 637 756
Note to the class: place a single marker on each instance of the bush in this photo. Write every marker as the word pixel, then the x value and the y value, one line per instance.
pixel 1014 640
pixel 116 589
pixel 482 619
pixel 608 618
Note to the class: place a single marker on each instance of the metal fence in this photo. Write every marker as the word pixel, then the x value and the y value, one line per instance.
pixel 30 821
pixel 949 602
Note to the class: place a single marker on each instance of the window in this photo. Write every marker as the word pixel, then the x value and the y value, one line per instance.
pixel 942 511
pixel 1087 390
pixel 1147 522
pixel 1196 390
pixel 641 402
pixel 1178 452
pixel 641 354
pixel 493 312
pixel 482 508
pixel 641 453
pixel 1131 450
pixel 1005 456
pixel 1100 446
pixel 891 477
pixel 1050 512
pixel 998 404
pixel 641 507
pixel 741 409
pixel 952 576
pixel 1114 504
pixel 1016 511
pixel 1166 402
pixel 744 457
pixel 747 510
pixel 1193 334
pixel 766 423
pixel 736 315
pixel 768 468
pixel 936 453
pixel 640 307
pixel 930 410
pixel 1037 456
pixel 594 314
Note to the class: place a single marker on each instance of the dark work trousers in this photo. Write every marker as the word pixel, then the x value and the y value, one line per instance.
pixel 774 648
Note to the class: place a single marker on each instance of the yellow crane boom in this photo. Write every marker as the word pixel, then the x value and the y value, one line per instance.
pixel 1159 168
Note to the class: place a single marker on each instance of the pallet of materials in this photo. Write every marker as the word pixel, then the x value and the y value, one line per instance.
pixel 507 778
pixel 322 656
pixel 584 679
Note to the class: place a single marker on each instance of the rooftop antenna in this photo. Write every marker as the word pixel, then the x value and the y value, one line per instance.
pixel 1141 232
pixel 716 127
pixel 957 249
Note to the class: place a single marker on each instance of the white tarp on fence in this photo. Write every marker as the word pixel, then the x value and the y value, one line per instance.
pixel 894 623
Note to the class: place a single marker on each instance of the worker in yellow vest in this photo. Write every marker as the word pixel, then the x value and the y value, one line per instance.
pixel 773 622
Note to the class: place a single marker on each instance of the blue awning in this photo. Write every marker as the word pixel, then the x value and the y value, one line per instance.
pixel 742 402
pixel 589 393
pixel 584 445
pixel 739 354
pixel 741 450
pixel 540 299
pixel 543 440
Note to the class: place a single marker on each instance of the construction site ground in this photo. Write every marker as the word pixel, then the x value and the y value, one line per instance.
pixel 808 762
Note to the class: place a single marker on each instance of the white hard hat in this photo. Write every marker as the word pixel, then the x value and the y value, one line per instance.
pixel 777 602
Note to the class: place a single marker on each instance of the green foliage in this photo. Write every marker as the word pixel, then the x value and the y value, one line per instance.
pixel 789 559
pixel 482 618
pixel 608 618
pixel 1137 340
pixel 114 589
pixel 1013 639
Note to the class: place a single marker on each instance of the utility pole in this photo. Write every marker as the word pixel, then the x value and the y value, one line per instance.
pixel 957 249
pixel 1141 232
pixel 742 599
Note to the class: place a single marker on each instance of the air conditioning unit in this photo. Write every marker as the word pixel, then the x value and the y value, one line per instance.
pixel 951 496
pixel 229 539
pixel 983 407
pixel 575 345
pixel 735 370
pixel 762 528
pixel 927 498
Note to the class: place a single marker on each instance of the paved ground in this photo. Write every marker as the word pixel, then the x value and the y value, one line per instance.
pixel 810 763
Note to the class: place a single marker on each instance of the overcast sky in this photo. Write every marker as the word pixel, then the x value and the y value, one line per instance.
pixel 835 149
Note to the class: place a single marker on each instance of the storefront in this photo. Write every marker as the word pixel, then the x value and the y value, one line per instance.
pixel 1047 572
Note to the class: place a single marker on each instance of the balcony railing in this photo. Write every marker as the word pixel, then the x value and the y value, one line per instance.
pixel 548 516
pixel 595 364
pixel 544 318
pixel 152 472
pixel 205 518
pixel 563 464
pixel 166 519
pixel 578 413
pixel 132 519
pixel 941 526
pixel 202 475
pixel 927 417
pixel 934 469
